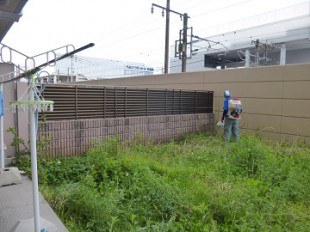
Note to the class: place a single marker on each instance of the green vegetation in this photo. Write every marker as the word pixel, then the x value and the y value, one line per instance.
pixel 196 184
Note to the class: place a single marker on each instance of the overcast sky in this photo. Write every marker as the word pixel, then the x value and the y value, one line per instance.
pixel 121 29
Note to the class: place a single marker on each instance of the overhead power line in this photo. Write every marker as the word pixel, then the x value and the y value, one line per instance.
pixel 185 18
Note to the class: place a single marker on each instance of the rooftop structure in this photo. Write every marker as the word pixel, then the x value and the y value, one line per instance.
pixel 274 38
pixel 10 12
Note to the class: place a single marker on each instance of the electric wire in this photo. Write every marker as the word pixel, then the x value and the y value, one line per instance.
pixel 100 47
pixel 222 8
pixel 171 45
pixel 137 35
pixel 91 65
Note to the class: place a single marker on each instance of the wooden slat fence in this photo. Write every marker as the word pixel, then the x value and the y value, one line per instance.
pixel 86 102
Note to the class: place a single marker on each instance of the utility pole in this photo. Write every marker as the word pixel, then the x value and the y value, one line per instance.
pixel 257 52
pixel 167 37
pixel 264 46
pixel 184 44
pixel 185 17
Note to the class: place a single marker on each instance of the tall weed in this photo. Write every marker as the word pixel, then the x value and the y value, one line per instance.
pixel 248 157
pixel 195 184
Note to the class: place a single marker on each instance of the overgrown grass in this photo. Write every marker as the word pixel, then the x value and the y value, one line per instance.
pixel 196 184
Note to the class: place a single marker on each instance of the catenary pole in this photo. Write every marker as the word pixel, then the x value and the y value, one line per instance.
pixel 185 16
pixel 167 37
pixel 184 42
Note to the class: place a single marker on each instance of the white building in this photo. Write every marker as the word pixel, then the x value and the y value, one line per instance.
pixel 275 38
pixel 78 68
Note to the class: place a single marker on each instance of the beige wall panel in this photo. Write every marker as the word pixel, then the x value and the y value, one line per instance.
pixel 261 122
pixel 193 77
pixel 217 88
pixel 277 137
pixel 262 134
pixel 262 106
pixel 216 76
pixel 297 72
pixel 255 106
pixel 217 116
pixel 133 81
pixel 244 120
pixel 161 83
pixel 265 74
pixel 225 75
pixel 244 90
pixel 296 108
pixel 268 135
pixel 154 80
pixel 257 90
pixel 218 103
pixel 182 86
pixel 190 77
pixel 271 73
pixel 295 139
pixel 296 126
pixel 298 89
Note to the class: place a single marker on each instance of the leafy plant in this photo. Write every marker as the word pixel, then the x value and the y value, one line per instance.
pixel 195 184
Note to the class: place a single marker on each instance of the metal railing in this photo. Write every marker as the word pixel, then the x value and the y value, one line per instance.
pixel 85 102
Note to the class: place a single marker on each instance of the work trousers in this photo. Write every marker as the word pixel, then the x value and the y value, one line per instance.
pixel 231 126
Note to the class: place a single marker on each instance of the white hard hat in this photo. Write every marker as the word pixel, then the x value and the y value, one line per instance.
pixel 226 93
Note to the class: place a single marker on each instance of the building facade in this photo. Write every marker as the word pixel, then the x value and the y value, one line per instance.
pixel 274 38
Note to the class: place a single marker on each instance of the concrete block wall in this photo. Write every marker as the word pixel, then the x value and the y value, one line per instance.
pixel 75 137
